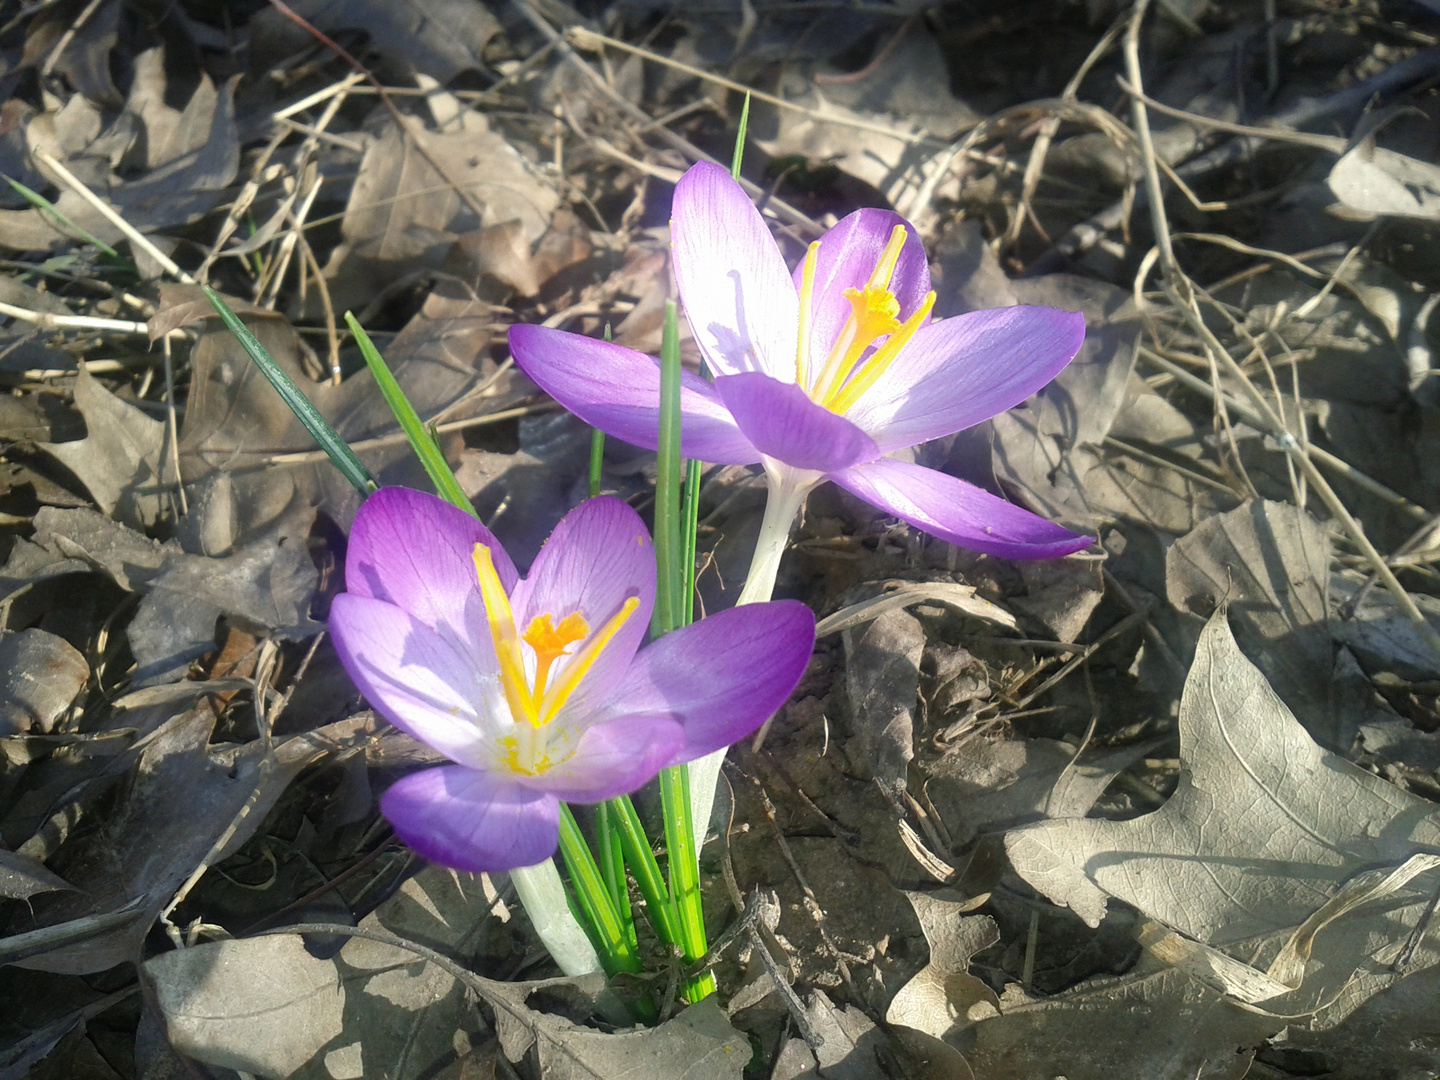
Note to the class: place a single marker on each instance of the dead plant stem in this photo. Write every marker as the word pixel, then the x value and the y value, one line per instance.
pixel 639 116
pixel 134 235
pixel 590 41
pixel 1181 293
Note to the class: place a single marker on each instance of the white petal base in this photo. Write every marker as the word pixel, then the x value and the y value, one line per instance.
pixel 543 895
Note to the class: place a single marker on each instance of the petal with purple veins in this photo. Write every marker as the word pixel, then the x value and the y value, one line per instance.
pixel 720 677
pixel 733 281
pixel 599 556
pixel 611 759
pixel 472 820
pixel 783 423
pixel 413 550
pixel 618 391
pixel 424 681
pixel 957 372
pixel 961 513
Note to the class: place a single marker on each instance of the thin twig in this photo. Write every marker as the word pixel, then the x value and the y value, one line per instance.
pixel 67 37
pixel 310 457
pixel 685 146
pixel 134 235
pixel 1181 292
pixel 172 428
pixel 49 321
pixel 407 124
pixel 591 41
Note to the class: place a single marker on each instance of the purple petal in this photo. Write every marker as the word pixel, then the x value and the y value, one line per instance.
pixel 472 820
pixel 422 680
pixel 598 557
pixel 783 423
pixel 733 281
pixel 960 371
pixel 961 513
pixel 618 391
pixel 612 759
pixel 722 676
pixel 414 550
pixel 848 254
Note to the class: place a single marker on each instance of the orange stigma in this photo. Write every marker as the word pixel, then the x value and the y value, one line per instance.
pixel 550 642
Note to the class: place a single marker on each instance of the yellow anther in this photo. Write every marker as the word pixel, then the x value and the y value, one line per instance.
pixel 807 293
pixel 505 637
pixel 584 660
pixel 549 642
pixel 848 394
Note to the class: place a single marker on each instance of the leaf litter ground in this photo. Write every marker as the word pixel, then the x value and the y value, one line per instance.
pixel 1167 810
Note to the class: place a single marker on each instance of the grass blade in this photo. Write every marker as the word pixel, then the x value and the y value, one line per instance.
pixel 740 138
pixel 668 547
pixel 329 440
pixel 421 439
pixel 49 209
pixel 609 935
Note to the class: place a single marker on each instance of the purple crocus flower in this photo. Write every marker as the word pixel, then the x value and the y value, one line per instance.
pixel 537 687
pixel 821 373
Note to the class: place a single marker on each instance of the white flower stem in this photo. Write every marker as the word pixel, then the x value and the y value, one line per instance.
pixel 543 895
pixel 787 490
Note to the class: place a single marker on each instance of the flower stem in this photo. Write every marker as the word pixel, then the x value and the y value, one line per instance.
pixel 543 897
pixel 787 490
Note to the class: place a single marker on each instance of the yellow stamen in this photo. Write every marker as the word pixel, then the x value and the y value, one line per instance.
pixel 584 660
pixel 549 642
pixel 507 641
pixel 807 292
pixel 846 395
pixel 526 747
pixel 873 315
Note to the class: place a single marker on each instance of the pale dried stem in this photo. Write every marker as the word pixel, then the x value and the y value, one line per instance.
pixel 310 457
pixel 1035 166
pixel 271 281
pixel 657 172
pixel 310 100
pixel 1333 143
pixel 1322 457
pixel 919 209
pixel 332 334
pixel 241 204
pixel 275 272
pixel 134 235
pixel 48 321
pixel 172 427
pixel 591 41
pixel 409 127
pixel 67 37
pixel 1181 293
pixel 639 116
